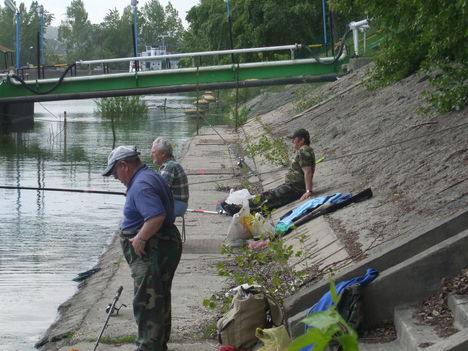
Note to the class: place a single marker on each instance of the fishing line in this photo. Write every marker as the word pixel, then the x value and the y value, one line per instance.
pixel 45 108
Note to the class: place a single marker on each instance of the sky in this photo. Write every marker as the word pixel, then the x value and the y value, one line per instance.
pixel 97 9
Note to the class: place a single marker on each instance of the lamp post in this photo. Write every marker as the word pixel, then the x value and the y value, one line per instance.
pixel 228 8
pixel 31 56
pixel 135 23
pixel 324 15
pixel 40 12
pixel 13 8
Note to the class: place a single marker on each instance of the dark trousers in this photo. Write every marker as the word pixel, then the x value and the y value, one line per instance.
pixel 152 276
pixel 281 195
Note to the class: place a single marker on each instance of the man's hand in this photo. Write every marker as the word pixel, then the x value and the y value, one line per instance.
pixel 150 227
pixel 306 195
pixel 138 245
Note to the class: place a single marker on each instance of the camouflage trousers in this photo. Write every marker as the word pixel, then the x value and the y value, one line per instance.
pixel 281 195
pixel 152 280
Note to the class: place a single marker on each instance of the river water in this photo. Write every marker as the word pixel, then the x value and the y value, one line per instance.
pixel 47 238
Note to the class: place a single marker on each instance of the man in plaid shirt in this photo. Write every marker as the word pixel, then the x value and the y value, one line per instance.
pixel 172 172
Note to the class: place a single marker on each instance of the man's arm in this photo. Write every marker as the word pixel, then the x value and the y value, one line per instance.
pixel 168 174
pixel 308 181
pixel 150 228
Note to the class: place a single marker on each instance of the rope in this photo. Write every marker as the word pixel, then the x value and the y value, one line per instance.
pixel 38 92
pixel 340 50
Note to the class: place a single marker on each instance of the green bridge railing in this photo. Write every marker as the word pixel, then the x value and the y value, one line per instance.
pixel 175 80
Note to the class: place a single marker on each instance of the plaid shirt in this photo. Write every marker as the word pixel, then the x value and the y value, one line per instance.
pixel 176 178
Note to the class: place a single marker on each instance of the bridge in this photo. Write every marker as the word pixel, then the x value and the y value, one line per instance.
pixel 17 96
pixel 197 77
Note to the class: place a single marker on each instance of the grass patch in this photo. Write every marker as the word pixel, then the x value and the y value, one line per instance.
pixel 222 187
pixel 306 97
pixel 115 340
pixel 209 331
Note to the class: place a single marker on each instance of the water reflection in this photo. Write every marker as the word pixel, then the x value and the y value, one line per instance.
pixel 46 238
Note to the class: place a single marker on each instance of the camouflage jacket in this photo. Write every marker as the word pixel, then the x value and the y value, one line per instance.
pixel 304 157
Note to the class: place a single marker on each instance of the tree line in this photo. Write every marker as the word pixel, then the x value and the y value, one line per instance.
pixel 416 35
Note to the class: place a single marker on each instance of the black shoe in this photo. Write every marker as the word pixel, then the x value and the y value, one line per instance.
pixel 231 209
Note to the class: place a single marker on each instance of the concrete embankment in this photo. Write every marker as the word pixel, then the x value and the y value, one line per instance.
pixel 415 164
pixel 207 161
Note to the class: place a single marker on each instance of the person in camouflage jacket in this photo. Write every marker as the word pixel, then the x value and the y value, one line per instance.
pixel 298 180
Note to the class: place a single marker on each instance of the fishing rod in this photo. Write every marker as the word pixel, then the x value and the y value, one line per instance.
pixel 203 211
pixel 89 192
pixel 63 189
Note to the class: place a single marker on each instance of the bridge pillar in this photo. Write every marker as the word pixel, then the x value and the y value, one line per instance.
pixel 16 116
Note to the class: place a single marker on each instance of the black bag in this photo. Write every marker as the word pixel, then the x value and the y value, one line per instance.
pixel 349 307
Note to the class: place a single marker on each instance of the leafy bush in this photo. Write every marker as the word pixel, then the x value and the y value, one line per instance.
pixel 427 35
pixel 328 326
pixel 123 106
pixel 268 267
pixel 273 150
pixel 306 97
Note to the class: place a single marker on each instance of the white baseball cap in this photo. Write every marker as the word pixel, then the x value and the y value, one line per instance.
pixel 118 154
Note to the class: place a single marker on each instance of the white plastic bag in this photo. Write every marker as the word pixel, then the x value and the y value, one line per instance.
pixel 261 227
pixel 237 228
pixel 238 197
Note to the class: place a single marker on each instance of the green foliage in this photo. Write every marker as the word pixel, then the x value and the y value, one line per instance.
pixel 245 185
pixel 222 187
pixel 76 32
pixel 306 97
pixel 208 28
pixel 113 37
pixel 160 25
pixel 209 303
pixel 328 326
pixel 254 24
pixel 209 331
pixel 123 106
pixel 117 340
pixel 451 91
pixel 272 150
pixel 68 335
pixel 427 35
pixel 215 301
pixel 268 267
pixel 242 116
pixel 29 23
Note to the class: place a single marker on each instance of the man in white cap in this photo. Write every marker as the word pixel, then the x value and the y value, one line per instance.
pixel 150 242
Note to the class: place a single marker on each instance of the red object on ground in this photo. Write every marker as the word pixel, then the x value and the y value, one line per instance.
pixel 258 244
pixel 228 348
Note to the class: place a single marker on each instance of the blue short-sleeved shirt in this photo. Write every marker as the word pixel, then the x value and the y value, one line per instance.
pixel 148 196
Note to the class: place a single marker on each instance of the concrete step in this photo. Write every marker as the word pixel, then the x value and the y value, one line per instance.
pixel 388 346
pixel 459 306
pixel 455 342
pixel 413 335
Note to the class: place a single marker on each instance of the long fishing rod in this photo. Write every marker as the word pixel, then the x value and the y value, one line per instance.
pixel 63 189
pixel 89 192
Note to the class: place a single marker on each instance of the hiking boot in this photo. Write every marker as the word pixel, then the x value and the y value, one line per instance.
pixel 230 209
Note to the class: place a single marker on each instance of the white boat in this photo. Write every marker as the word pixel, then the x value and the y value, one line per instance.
pixel 157 64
